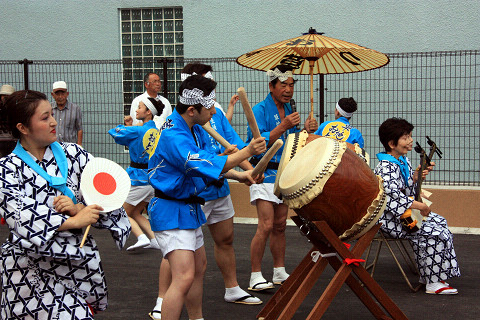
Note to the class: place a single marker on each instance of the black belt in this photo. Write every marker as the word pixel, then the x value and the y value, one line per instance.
pixel 192 199
pixel 138 165
pixel 217 183
pixel 270 165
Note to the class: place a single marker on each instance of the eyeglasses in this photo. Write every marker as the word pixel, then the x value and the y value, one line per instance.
pixel 60 92
pixel 155 81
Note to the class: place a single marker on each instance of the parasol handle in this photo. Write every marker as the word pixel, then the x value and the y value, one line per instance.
pixel 262 164
pixel 207 127
pixel 85 235
pixel 252 122
pixel 311 64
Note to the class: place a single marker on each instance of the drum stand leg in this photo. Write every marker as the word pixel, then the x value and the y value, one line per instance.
pixel 292 293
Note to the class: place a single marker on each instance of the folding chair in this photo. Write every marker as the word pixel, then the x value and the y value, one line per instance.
pixel 400 243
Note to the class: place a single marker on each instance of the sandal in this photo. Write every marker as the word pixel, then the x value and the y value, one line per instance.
pixel 247 299
pixel 153 315
pixel 262 285
pixel 440 288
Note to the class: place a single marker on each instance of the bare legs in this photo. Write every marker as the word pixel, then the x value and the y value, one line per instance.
pixel 272 221
pixel 140 224
pixel 188 269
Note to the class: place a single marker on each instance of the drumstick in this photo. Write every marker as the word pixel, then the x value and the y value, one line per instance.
pixel 262 164
pixel 216 135
pixel 248 112
pixel 85 235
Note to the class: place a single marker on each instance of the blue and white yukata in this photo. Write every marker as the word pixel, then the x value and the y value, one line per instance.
pixel 268 118
pixel 433 243
pixel 180 168
pixel 45 275
pixel 221 124
pixel 341 130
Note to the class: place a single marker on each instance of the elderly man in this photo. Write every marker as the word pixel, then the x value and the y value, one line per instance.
pixel 276 119
pixel 67 114
pixel 5 91
pixel 154 86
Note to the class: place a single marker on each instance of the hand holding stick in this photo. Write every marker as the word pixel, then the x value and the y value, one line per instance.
pixel 262 164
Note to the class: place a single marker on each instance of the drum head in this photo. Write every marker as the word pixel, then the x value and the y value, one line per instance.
pixel 304 177
pixel 294 142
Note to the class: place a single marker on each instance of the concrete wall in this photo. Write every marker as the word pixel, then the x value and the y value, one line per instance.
pixel 76 30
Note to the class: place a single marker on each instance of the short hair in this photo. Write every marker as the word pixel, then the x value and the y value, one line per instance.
pixel 199 82
pixel 282 68
pixel 197 67
pixel 348 104
pixel 393 129
pixel 20 107
pixel 145 79
pixel 159 106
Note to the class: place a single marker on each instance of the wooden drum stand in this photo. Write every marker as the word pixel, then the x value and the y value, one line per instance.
pixel 291 294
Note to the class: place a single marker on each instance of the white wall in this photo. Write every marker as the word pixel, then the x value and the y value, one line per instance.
pixel 76 30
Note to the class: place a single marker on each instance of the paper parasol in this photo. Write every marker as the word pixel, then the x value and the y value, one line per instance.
pixel 313 53
pixel 104 183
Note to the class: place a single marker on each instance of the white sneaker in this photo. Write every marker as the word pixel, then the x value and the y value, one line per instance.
pixel 141 243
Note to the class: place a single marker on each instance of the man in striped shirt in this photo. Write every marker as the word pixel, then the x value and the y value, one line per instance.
pixel 67 114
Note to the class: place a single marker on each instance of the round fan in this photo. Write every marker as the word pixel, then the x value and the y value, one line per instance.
pixel 105 183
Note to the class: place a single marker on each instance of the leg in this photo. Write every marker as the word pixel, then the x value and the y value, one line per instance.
pixel 183 266
pixel 143 222
pixel 137 231
pixel 222 233
pixel 194 297
pixel 265 212
pixel 277 239
pixel 142 239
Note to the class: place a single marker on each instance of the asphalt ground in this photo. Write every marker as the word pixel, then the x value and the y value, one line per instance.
pixel 132 279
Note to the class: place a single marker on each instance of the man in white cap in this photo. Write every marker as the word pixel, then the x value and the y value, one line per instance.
pixel 154 86
pixel 67 114
pixel 5 91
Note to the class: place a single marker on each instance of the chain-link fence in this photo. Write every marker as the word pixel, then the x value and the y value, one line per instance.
pixel 438 92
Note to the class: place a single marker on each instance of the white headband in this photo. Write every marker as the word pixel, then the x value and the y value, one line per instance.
pixel 149 105
pixel 184 76
pixel 343 112
pixel 195 96
pixel 282 76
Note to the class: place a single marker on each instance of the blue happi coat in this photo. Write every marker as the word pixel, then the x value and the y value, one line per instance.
pixel 140 141
pixel 267 116
pixel 341 129
pixel 181 167
pixel 220 123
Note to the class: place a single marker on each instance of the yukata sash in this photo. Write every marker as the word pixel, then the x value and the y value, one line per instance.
pixel 59 183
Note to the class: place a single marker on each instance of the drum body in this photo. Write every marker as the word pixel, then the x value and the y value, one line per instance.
pixel 326 180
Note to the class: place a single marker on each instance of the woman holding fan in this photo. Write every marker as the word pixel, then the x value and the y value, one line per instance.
pixel 45 274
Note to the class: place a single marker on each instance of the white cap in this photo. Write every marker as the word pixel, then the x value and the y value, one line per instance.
pixel 59 85
pixel 7 89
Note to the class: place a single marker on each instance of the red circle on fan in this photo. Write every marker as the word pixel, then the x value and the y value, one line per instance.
pixel 104 183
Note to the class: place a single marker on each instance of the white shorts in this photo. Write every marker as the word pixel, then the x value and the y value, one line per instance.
pixel 179 239
pixel 138 194
pixel 263 191
pixel 218 210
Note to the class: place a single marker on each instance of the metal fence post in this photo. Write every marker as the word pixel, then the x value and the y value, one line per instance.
pixel 25 63
pixel 164 61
